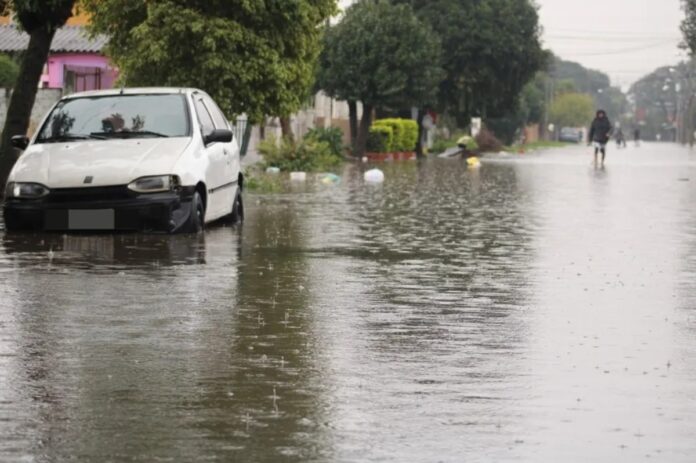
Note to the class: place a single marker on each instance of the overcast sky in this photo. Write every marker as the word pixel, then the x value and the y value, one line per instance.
pixel 624 38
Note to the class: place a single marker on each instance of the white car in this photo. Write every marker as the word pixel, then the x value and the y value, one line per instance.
pixel 149 159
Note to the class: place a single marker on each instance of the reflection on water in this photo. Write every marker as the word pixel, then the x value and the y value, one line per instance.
pixel 525 311
pixel 105 251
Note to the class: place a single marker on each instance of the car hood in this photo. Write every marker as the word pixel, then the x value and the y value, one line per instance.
pixel 108 162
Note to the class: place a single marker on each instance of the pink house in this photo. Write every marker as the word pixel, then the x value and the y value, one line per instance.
pixel 75 63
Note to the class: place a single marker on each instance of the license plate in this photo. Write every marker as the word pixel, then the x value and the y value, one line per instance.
pixel 91 219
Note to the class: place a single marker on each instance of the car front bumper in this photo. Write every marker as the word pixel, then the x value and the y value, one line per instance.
pixel 100 209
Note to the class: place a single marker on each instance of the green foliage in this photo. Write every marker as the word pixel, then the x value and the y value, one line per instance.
pixel 332 136
pixel 508 127
pixel 565 86
pixel 380 139
pixel 533 100
pixel 688 25
pixel 409 136
pixel 252 56
pixel 382 55
pixel 8 72
pixel 307 155
pixel 260 182
pixel 397 129
pixel 405 133
pixel 491 49
pixel 572 110
pixel 442 144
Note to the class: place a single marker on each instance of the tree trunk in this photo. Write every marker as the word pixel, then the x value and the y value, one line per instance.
pixel 421 132
pixel 286 128
pixel 23 97
pixel 365 123
pixel 353 118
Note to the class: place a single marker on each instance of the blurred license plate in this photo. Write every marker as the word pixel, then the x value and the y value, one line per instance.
pixel 91 219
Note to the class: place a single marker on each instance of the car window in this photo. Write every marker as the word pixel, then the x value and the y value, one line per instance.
pixel 204 117
pixel 218 118
pixel 154 115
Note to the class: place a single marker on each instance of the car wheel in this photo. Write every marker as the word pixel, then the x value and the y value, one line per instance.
pixel 237 215
pixel 196 219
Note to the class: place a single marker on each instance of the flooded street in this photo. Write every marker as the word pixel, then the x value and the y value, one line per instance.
pixel 535 309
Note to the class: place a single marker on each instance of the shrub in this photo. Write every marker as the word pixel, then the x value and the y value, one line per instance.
pixel 440 145
pixel 380 139
pixel 405 133
pixel 397 132
pixel 487 143
pixel 409 134
pixel 306 155
pixel 8 72
pixel 333 136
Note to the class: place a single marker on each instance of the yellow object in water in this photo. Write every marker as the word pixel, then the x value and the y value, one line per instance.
pixel 473 162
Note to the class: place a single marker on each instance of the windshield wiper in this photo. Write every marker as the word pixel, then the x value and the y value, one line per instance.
pixel 126 134
pixel 70 137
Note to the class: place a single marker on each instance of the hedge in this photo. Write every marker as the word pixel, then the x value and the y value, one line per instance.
pixel 405 133
pixel 380 139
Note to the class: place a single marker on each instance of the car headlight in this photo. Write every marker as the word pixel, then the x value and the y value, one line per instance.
pixel 24 190
pixel 155 184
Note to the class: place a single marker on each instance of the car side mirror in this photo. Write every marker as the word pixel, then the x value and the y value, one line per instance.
pixel 218 135
pixel 20 141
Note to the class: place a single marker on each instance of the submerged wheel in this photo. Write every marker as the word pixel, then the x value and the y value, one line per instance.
pixel 196 219
pixel 237 215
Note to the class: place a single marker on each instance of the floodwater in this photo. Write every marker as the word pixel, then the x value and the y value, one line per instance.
pixel 533 310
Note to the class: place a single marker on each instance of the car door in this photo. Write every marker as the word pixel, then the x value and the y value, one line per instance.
pixel 216 177
pixel 231 156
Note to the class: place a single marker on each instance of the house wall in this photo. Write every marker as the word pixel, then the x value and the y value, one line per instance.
pixel 54 74
pixel 45 99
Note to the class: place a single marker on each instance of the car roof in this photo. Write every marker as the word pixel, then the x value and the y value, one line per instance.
pixel 134 91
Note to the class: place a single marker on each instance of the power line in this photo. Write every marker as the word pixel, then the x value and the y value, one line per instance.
pixel 613 39
pixel 622 51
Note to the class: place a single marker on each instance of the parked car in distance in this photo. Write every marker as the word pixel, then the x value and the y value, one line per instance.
pixel 141 159
pixel 571 135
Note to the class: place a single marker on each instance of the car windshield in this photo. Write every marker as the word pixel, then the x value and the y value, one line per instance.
pixel 117 116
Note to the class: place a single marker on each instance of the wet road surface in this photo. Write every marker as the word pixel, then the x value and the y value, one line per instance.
pixel 533 310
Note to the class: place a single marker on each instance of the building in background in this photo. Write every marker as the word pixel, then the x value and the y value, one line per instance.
pixel 75 62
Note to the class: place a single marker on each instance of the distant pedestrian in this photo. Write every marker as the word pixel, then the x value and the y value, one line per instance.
pixel 600 133
pixel 620 139
pixel 636 136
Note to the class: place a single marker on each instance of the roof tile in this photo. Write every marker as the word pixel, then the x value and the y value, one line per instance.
pixel 68 39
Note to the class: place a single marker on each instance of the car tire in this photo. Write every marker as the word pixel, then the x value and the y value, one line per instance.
pixel 237 215
pixel 196 218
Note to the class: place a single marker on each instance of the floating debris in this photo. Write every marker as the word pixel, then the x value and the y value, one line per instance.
pixel 374 176
pixel 329 179
pixel 298 176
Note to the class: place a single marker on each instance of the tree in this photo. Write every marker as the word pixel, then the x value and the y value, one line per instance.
pixel 383 56
pixel 572 110
pixel 688 25
pixel 253 56
pixel 491 49
pixel 39 19
pixel 8 72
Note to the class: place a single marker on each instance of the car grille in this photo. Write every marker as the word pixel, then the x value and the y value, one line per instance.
pixel 73 195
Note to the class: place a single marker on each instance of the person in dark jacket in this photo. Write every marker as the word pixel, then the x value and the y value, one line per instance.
pixel 600 132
